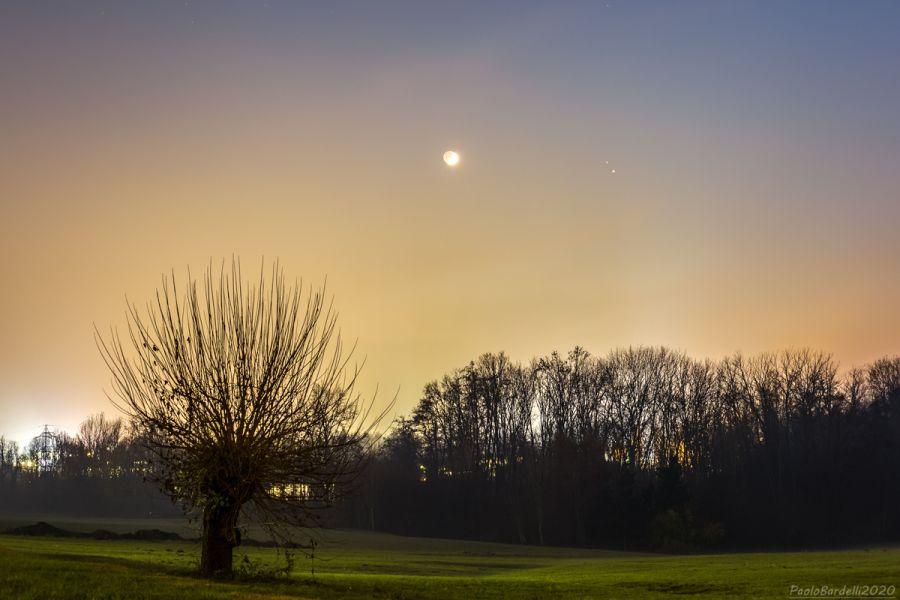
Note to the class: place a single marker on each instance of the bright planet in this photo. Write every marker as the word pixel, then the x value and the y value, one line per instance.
pixel 451 158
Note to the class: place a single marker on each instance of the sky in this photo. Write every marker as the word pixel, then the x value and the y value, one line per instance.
pixel 710 176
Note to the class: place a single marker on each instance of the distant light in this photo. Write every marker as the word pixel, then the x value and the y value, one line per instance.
pixel 613 171
pixel 451 158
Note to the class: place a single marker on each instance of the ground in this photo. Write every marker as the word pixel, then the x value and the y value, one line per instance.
pixel 366 565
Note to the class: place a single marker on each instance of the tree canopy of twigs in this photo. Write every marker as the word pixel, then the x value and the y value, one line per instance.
pixel 246 397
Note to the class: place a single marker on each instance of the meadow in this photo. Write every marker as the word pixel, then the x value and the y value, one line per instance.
pixel 351 564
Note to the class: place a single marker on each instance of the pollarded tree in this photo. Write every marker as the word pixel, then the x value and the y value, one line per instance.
pixel 244 396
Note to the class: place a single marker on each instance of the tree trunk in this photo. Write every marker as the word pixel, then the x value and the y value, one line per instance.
pixel 219 537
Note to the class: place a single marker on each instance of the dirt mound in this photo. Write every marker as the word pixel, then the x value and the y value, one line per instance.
pixel 104 534
pixel 151 535
pixel 43 529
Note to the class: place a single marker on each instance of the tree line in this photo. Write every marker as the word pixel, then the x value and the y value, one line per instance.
pixel 100 470
pixel 640 448
pixel 645 448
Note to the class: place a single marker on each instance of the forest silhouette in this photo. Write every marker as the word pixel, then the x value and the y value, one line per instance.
pixel 644 447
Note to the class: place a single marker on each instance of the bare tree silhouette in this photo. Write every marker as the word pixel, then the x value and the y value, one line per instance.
pixel 246 400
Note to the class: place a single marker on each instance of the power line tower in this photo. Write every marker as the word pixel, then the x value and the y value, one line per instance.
pixel 46 444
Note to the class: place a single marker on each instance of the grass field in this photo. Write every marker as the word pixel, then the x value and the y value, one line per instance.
pixel 368 565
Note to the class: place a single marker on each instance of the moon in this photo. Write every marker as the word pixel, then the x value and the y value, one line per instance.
pixel 451 158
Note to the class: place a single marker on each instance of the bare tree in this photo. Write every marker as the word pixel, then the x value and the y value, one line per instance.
pixel 99 437
pixel 246 399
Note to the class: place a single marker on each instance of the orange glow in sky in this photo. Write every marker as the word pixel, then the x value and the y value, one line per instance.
pixel 755 203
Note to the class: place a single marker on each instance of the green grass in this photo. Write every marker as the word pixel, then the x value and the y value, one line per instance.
pixel 366 565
